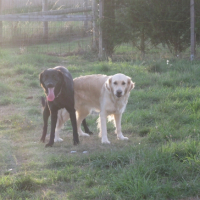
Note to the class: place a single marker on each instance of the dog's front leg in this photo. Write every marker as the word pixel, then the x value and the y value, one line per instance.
pixel 118 118
pixel 54 113
pixel 46 114
pixel 103 128
pixel 72 115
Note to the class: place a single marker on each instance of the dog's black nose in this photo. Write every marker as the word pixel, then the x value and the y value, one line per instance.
pixel 119 93
pixel 49 85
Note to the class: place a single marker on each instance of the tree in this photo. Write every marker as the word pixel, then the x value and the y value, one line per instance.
pixel 133 23
pixel 171 24
pixel 197 20
pixel 108 27
pixel 138 21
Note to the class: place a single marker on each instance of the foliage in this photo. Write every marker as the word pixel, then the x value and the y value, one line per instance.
pixel 164 22
pixel 170 23
pixel 133 18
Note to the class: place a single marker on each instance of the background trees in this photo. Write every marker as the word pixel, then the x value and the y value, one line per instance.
pixel 140 22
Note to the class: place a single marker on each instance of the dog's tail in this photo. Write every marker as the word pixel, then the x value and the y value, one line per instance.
pixel 43 101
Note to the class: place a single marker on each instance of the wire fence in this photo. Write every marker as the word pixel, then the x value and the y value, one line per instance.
pixel 64 36
pixel 24 5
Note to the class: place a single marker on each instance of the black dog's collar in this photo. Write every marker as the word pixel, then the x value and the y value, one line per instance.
pixel 59 92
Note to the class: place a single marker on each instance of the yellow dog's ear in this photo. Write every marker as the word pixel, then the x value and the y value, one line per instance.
pixel 108 83
pixel 131 84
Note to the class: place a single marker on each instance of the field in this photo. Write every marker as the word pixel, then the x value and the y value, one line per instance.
pixel 161 159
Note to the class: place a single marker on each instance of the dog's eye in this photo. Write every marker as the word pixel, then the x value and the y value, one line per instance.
pixel 45 78
pixel 115 83
pixel 55 77
pixel 123 83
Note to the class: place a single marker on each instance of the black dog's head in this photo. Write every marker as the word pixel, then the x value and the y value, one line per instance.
pixel 51 81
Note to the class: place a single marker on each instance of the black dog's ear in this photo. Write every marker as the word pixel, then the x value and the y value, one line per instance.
pixel 40 77
pixel 41 82
pixel 61 75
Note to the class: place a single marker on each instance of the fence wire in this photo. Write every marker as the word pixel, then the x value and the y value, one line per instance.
pixel 64 37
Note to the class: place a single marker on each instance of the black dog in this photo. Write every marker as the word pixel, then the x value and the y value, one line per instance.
pixel 58 86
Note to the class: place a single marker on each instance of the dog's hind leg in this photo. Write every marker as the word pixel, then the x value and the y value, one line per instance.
pixel 87 130
pixel 46 114
pixel 81 115
pixel 54 113
pixel 63 116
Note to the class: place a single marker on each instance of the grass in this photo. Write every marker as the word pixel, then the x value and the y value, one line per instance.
pixel 159 161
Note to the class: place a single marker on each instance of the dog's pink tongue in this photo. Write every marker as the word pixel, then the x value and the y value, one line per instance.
pixel 51 95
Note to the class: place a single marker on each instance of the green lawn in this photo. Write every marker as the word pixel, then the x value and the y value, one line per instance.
pixel 161 159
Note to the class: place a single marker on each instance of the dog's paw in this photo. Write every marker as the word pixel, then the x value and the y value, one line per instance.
pixel 58 140
pixel 76 142
pixel 42 140
pixel 48 145
pixel 90 132
pixel 105 141
pixel 121 137
pixel 84 134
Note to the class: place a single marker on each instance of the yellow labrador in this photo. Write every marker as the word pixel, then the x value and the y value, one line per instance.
pixel 107 95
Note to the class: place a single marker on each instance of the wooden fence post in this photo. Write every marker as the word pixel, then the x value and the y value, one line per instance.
pixel 1 24
pixel 192 32
pixel 100 29
pixel 86 21
pixel 94 13
pixel 45 24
